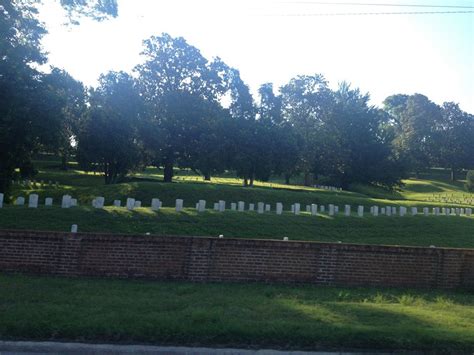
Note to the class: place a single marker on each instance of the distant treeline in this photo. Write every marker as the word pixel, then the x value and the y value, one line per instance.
pixel 179 109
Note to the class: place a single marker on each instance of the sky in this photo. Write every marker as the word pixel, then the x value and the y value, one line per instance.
pixel 276 40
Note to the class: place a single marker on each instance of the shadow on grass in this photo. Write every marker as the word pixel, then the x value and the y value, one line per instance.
pixel 249 315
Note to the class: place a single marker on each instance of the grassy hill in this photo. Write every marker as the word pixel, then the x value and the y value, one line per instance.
pixel 419 230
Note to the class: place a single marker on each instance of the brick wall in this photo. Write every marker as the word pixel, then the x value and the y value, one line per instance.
pixel 240 260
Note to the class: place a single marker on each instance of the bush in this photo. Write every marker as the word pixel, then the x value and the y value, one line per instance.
pixel 470 180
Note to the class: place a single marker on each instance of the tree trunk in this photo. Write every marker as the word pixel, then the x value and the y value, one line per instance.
pixel 168 173
pixel 64 161
pixel 251 181
pixel 5 184
pixel 107 174
pixel 453 174
pixel 246 183
pixel 287 179
pixel 207 176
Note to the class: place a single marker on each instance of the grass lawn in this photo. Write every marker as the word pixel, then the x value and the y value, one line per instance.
pixel 252 315
pixel 419 230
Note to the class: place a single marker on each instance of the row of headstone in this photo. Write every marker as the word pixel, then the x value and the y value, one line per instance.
pixel 34 183
pixel 330 188
pixel 436 211
pixel 67 202
pixel 33 201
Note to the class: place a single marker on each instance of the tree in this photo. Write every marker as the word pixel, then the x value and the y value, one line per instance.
pixel 99 10
pixel 71 99
pixel 175 81
pixel 108 141
pixel 244 143
pixel 417 119
pixel 206 154
pixel 26 100
pixel 21 89
pixel 354 147
pixel 305 101
pixel 282 149
pixel 454 139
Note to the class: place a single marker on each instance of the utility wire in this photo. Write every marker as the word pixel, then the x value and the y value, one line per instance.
pixel 377 4
pixel 372 13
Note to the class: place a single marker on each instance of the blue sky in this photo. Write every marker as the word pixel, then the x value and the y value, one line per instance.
pixel 268 41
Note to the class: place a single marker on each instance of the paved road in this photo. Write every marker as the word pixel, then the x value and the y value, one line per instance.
pixel 28 347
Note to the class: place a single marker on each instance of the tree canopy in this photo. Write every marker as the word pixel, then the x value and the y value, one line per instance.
pixel 180 109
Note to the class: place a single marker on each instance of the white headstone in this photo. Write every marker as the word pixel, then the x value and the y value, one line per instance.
pixel 260 207
pixel 130 203
pixel 33 201
pixel 322 208
pixel 48 201
pixel 221 206
pixel 1 200
pixel 241 206
pixel 74 228
pixel 155 204
pixel 394 211
pixel 468 212
pixel 201 205
pixel 458 211
pixel 426 211
pixel 414 211
pixel 268 208
pixel 382 210
pixel 216 206
pixel 360 211
pixel 403 211
pixel 336 209
pixel 371 210
pixel 251 207
pixel 462 211
pixel 376 211
pixel 314 209
pixel 308 208
pixel 20 201
pixel 331 210
pixel 347 210
pixel 99 202
pixel 117 203
pixel 66 201
pixel 138 204
pixel 297 208
pixel 179 205
pixel 73 202
pixel 388 211
pixel 279 208
pixel 233 206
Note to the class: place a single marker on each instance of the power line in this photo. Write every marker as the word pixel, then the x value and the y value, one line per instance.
pixel 374 13
pixel 376 4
